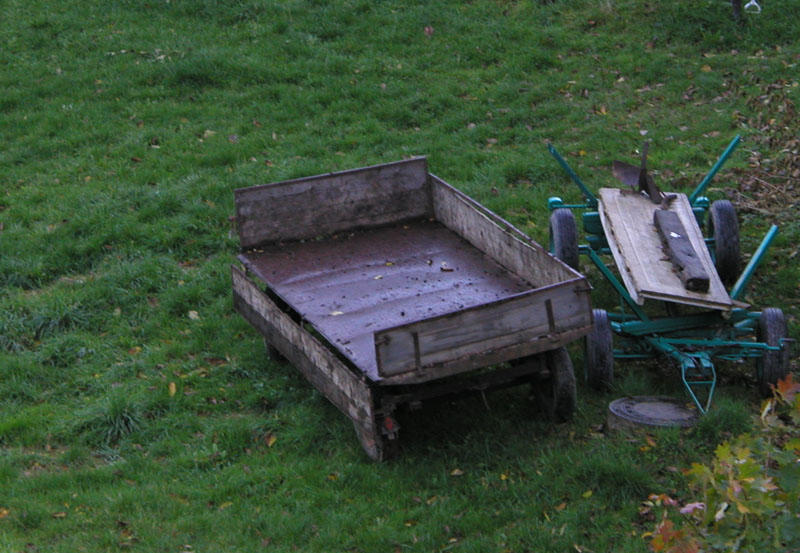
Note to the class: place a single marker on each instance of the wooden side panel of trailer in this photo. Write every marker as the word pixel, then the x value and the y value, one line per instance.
pixel 343 387
pixel 326 204
pixel 497 238
pixel 529 323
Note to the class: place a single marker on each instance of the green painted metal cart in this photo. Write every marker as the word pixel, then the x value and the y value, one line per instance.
pixel 694 328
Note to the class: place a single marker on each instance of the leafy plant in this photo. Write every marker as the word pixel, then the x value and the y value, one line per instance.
pixel 746 497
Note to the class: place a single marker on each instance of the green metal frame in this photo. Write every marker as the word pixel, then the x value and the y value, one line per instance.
pixel 693 341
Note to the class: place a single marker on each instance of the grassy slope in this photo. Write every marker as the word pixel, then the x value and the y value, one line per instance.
pixel 125 127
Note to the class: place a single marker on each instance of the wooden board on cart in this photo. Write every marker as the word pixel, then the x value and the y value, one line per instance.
pixel 646 270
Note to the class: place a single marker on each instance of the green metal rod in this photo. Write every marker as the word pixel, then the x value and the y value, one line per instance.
pixel 590 198
pixel 740 285
pixel 701 188
pixel 621 290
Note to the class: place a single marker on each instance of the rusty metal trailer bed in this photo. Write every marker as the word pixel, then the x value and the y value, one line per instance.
pixel 386 287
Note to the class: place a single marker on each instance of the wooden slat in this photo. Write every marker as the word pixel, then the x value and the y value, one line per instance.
pixel 325 204
pixel 643 265
pixel 677 245
pixel 344 388
pixel 497 238
pixel 542 315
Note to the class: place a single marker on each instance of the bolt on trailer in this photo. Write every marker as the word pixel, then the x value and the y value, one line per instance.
pixel 657 244
pixel 386 287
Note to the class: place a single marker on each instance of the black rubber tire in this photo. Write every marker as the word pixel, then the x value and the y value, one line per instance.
pixel 598 353
pixel 564 236
pixel 558 392
pixel 773 365
pixel 724 228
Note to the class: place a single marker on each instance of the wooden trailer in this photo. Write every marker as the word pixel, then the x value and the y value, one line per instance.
pixel 387 287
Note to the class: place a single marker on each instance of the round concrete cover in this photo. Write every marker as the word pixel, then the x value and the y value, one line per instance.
pixel 650 411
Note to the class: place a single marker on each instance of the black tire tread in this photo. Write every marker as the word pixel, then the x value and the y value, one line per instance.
pixel 724 228
pixel 599 353
pixel 564 236
pixel 773 365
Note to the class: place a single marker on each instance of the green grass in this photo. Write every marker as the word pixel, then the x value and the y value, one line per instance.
pixel 125 126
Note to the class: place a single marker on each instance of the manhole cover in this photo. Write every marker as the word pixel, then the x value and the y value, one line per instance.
pixel 629 412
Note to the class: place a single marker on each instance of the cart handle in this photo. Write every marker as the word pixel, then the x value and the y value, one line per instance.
pixel 591 199
pixel 740 285
pixel 701 188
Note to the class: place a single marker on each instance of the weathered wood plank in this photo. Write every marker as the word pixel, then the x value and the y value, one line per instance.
pixel 541 315
pixel 497 238
pixel 344 388
pixel 326 204
pixel 676 242
pixel 636 246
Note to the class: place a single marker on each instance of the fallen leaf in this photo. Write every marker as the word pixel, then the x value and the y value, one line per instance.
pixel 172 388
pixel 135 350
pixel 225 505
pixel 4 512
pixel 270 439
pixel 587 494
pixel 60 514
pixel 689 508
pixel 706 68
pixel 194 315
pixel 561 506
pixel 456 472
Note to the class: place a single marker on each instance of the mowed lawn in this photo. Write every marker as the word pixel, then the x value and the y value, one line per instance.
pixel 138 411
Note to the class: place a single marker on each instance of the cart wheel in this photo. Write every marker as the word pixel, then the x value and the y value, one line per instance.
pixel 273 354
pixel 564 236
pixel 557 392
pixel 724 228
pixel 773 365
pixel 598 352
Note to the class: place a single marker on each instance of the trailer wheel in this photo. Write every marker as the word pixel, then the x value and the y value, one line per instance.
pixel 773 365
pixel 564 236
pixel 598 352
pixel 724 228
pixel 557 392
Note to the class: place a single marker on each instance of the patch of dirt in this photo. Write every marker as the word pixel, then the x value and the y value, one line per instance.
pixel 771 183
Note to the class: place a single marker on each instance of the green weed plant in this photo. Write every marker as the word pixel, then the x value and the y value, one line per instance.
pixel 745 498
